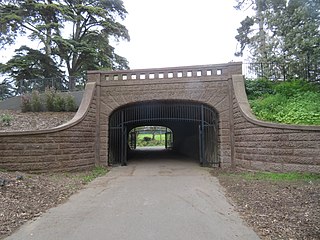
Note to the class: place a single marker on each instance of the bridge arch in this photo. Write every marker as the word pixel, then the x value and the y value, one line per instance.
pixel 207 85
pixel 195 126
pixel 242 140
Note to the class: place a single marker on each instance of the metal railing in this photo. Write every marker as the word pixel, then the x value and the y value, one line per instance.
pixel 276 71
pixel 16 88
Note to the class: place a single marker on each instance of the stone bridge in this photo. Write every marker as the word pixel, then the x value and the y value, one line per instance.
pixel 205 107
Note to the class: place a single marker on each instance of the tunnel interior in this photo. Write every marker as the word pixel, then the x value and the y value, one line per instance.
pixel 193 127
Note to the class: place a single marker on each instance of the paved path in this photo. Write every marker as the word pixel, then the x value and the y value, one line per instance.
pixel 160 200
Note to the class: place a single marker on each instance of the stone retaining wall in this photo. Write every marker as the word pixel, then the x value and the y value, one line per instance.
pixel 268 146
pixel 65 148
pixel 244 141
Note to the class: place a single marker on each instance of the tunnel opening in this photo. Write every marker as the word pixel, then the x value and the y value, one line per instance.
pixel 193 130
pixel 150 137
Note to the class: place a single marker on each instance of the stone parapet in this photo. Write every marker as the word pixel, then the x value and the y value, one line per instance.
pixel 173 73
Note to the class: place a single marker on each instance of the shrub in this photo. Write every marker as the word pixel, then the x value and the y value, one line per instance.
pixel 6 119
pixel 258 88
pixel 49 101
pixel 36 105
pixel 50 95
pixel 26 103
pixel 70 104
pixel 58 103
pixel 290 88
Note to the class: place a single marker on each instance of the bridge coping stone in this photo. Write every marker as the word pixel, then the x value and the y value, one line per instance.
pixel 200 71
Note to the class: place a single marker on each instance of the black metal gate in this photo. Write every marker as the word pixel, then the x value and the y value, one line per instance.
pixel 168 140
pixel 163 113
pixel 208 138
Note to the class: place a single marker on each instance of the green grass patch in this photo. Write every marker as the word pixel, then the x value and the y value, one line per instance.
pixel 94 173
pixel 290 176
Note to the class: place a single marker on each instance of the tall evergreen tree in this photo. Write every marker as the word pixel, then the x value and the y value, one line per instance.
pixel 29 64
pixel 288 36
pixel 75 34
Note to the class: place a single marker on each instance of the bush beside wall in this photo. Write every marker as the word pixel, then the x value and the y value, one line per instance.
pixel 50 100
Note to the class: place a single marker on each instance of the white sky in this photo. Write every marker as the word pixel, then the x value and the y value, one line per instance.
pixel 166 33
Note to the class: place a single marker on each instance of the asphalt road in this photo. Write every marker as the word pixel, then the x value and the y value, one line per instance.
pixel 159 199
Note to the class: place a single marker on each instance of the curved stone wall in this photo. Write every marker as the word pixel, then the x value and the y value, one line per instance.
pixel 269 146
pixel 243 140
pixel 68 147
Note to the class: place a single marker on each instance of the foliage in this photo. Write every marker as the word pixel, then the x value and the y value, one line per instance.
pixel 26 103
pixel 292 102
pixel 50 95
pixel 144 140
pixel 6 119
pixel 72 35
pixel 58 103
pixel 147 139
pixel 51 100
pixel 70 104
pixel 258 88
pixel 35 102
pixel 6 89
pixel 94 173
pixel 27 64
pixel 282 32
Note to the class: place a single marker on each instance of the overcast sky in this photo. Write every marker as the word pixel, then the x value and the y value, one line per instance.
pixel 167 33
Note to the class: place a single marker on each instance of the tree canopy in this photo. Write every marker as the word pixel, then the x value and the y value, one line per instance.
pixel 74 34
pixel 286 32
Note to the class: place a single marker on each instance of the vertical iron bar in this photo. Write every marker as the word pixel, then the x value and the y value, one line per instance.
pixel 203 140
pixel 125 141
pixel 166 139
pixel 135 139
pixel 122 139
pixel 200 145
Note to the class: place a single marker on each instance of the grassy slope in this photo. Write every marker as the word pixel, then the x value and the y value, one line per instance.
pixel 293 102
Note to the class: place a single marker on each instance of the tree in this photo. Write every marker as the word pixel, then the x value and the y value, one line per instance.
pixel 75 34
pixel 30 64
pixel 6 89
pixel 258 40
pixel 283 32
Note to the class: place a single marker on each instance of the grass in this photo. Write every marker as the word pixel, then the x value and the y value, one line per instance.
pixel 94 173
pixel 290 176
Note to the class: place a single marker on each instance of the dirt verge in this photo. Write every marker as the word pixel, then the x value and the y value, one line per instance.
pixel 26 196
pixel 275 209
pixel 11 120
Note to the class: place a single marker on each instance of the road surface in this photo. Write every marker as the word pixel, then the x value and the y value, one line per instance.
pixel 156 199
